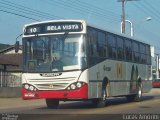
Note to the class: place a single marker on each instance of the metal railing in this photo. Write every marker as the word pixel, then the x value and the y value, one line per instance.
pixel 10 79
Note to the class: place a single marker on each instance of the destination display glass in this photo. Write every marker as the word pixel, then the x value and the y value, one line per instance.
pixel 53 27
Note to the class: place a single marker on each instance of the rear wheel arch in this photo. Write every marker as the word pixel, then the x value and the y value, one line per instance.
pixel 101 102
pixel 138 96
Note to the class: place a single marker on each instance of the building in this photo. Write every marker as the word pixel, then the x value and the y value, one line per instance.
pixel 4 46
pixel 10 71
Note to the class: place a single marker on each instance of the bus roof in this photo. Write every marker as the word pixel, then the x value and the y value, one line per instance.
pixel 88 24
pixel 49 21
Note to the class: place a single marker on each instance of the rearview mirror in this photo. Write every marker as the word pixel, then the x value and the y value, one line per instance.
pixel 16 46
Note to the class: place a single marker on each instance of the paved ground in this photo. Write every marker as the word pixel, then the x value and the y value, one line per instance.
pixel 117 109
pixel 19 102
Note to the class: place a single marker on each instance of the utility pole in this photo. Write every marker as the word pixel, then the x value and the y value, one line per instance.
pixel 123 17
pixel 123 14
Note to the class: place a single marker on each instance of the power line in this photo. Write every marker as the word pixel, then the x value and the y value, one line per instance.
pixel 83 10
pixel 17 10
pixel 33 11
pixel 147 32
pixel 80 8
pixel 96 8
pixel 22 9
pixel 152 8
pixel 146 11
pixel 9 7
pixel 19 15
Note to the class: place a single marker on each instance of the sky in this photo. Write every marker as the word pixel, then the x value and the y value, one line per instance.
pixel 14 14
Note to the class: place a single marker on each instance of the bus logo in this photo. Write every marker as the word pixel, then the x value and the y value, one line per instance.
pixel 50 74
pixel 51 86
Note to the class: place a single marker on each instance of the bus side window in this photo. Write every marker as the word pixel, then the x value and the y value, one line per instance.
pixel 136 55
pixel 120 53
pixel 93 51
pixel 128 50
pixel 111 46
pixel 142 54
pixel 101 45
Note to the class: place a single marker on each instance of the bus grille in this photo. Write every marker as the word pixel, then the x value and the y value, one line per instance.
pixel 52 83
pixel 52 86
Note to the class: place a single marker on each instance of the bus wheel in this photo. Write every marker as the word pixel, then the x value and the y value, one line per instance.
pixel 52 103
pixel 101 102
pixel 136 97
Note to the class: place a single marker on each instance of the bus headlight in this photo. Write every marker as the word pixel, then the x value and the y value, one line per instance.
pixel 30 87
pixel 79 84
pixel 26 86
pixel 75 85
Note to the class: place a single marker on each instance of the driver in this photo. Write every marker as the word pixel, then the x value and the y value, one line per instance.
pixel 56 62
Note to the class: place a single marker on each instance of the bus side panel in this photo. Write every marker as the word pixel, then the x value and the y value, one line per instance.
pixel 115 72
pixel 118 88
pixel 119 84
pixel 94 85
pixel 95 82
pixel 122 76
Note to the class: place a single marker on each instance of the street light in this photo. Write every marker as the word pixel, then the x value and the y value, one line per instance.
pixel 148 18
pixel 131 26
pixel 123 13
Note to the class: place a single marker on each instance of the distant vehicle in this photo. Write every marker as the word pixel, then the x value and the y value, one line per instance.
pixel 65 60
pixel 156 83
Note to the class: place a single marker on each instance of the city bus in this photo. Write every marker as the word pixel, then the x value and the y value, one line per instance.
pixel 66 60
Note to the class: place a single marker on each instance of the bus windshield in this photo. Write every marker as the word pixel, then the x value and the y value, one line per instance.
pixel 54 53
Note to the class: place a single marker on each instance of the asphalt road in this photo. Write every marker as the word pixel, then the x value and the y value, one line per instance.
pixel 116 108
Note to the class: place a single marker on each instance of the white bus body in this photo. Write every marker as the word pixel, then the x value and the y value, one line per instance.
pixel 94 67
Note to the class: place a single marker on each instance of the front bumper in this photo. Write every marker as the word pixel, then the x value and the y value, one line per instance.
pixel 81 93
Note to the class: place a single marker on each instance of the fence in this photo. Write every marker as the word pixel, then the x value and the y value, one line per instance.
pixel 10 79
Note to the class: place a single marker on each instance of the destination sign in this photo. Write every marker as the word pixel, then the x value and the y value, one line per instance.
pixel 55 27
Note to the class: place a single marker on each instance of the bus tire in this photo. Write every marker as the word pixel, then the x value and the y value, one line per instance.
pixel 101 102
pixel 52 103
pixel 136 97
